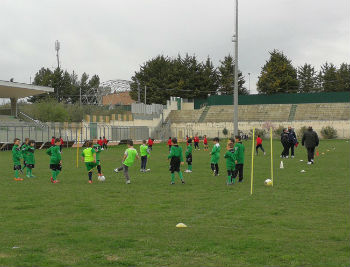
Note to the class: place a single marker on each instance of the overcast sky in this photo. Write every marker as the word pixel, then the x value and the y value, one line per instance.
pixel 112 38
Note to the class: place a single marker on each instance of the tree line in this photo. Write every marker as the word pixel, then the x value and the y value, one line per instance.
pixel 187 77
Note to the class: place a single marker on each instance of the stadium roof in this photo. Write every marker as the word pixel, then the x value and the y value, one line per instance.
pixel 20 90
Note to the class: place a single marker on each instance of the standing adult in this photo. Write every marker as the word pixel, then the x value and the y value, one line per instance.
pixel 310 141
pixel 292 139
pixel 285 143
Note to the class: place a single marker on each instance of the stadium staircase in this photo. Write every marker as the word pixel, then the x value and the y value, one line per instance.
pixel 292 112
pixel 185 116
pixel 204 114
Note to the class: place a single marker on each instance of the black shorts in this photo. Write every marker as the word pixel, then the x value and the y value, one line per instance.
pixel 189 158
pixel 230 172
pixel 175 164
pixel 17 167
pixel 56 167
pixel 30 166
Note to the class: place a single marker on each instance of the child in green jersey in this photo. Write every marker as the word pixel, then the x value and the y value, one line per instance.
pixel 239 154
pixel 89 157
pixel 98 150
pixel 16 157
pixel 24 147
pixel 188 154
pixel 30 159
pixel 55 160
pixel 176 158
pixel 230 163
pixel 145 153
pixel 215 156
pixel 129 157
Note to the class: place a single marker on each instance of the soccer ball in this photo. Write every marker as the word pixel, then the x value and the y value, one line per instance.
pixel 268 182
pixel 101 178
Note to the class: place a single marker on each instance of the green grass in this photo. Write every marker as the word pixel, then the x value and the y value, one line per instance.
pixel 302 221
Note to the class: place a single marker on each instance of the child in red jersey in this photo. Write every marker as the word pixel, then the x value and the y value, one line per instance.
pixel 205 142
pixel 259 145
pixel 169 143
pixel 150 143
pixel 196 142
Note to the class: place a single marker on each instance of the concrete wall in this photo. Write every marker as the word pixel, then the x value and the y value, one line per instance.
pixel 187 106
pixel 180 130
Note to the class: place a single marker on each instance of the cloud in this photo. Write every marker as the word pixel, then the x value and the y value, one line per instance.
pixel 113 38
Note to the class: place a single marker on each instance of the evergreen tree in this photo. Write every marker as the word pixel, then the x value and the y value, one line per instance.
pixel 343 77
pixel 278 75
pixel 329 77
pixel 307 79
pixel 226 78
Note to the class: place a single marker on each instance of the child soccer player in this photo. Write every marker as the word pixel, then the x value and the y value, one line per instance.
pixel 239 155
pixel 55 160
pixel 176 158
pixel 230 163
pixel 128 160
pixel 145 153
pixel 205 143
pixel 25 153
pixel 89 157
pixel 169 143
pixel 30 161
pixel 16 157
pixel 196 142
pixel 150 143
pixel 98 150
pixel 259 145
pixel 215 156
pixel 105 142
pixel 188 155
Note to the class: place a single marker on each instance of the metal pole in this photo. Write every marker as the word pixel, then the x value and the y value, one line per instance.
pixel 80 96
pixel 145 93
pixel 138 93
pixel 249 81
pixel 235 93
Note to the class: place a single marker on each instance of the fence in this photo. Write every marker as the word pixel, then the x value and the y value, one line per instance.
pixel 327 97
pixel 72 133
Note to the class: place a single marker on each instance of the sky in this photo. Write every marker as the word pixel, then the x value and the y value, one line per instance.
pixel 113 38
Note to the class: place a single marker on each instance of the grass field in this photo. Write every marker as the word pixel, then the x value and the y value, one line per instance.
pixel 302 221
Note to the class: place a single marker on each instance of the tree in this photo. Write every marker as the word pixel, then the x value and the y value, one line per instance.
pixel 329 77
pixel 166 77
pixel 226 78
pixel 307 79
pixel 343 77
pixel 278 75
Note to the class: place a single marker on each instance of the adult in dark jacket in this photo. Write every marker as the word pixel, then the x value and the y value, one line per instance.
pixel 310 141
pixel 292 139
pixel 285 144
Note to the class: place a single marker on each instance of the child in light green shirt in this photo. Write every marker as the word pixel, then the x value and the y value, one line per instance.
pixel 145 153
pixel 128 160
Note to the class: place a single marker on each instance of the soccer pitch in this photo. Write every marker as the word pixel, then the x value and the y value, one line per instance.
pixel 303 220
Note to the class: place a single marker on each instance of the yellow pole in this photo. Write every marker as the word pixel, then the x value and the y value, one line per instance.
pixel 78 148
pixel 252 170
pixel 271 155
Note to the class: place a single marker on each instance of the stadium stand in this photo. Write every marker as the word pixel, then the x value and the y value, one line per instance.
pixel 324 111
pixel 268 112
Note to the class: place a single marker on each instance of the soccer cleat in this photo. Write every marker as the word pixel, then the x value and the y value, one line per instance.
pixel 264 153
pixel 183 181
pixel 286 157
pixel 18 179
pixel 187 171
pixel 116 170
pixel 148 170
pixel 292 157
pixel 28 176
pixel 90 182
pixel 229 184
pixel 51 179
pixel 55 181
pixel 172 183
pixel 128 182
pixel 309 163
pixel 32 176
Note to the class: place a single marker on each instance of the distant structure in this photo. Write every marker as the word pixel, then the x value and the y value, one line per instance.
pixel 106 94
pixel 57 48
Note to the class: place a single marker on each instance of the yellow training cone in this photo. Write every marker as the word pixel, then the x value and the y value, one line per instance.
pixel 181 225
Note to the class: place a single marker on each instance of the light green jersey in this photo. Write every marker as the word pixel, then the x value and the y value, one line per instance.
pixel 131 154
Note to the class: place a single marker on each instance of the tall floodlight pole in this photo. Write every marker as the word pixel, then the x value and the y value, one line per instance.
pixel 249 81
pixel 235 91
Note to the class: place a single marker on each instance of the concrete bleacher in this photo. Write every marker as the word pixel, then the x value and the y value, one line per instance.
pixel 278 112
pixel 324 111
pixel 262 113
pixel 186 116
